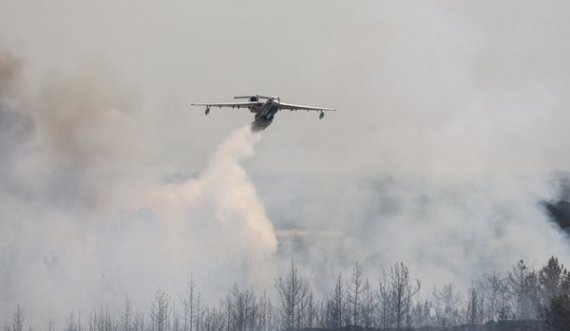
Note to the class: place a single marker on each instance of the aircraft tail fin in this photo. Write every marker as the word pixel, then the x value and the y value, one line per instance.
pixel 252 97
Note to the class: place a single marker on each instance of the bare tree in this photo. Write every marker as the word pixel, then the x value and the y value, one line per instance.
pixel 160 312
pixel 354 293
pixel 368 306
pixel 214 319
pixel 73 323
pixel 18 320
pixel 264 314
pixel 207 319
pixel 384 300
pixel 336 306
pixel 473 313
pixel 127 320
pixel 242 307
pixel 310 315
pixel 402 291
pixel 138 322
pixel 101 320
pixel 198 315
pixel 421 314
pixel 448 303
pixel 293 290
pixel 175 320
pixel 495 297
pixel 189 305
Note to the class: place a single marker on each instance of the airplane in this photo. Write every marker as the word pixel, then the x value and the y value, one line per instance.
pixel 264 108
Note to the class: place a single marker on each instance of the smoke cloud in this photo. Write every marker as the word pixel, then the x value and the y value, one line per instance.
pixel 452 123
pixel 82 214
pixel 226 189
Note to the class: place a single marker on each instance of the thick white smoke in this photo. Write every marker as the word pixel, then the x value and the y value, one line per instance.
pixel 86 218
pixel 225 188
pixel 452 118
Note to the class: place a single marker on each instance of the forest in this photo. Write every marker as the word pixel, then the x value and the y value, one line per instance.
pixel 524 298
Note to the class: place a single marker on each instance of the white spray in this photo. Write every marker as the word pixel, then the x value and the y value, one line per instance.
pixel 226 189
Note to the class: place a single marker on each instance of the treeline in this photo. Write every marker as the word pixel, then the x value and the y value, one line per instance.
pixel 524 296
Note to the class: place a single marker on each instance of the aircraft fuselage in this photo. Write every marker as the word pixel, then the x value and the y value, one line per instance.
pixel 264 113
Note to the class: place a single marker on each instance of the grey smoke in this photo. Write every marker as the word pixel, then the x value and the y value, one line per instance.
pixel 452 118
pixel 84 223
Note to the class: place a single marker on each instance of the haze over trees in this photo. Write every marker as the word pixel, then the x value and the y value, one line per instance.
pixel 524 298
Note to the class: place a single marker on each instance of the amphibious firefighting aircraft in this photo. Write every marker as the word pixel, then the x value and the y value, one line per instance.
pixel 264 108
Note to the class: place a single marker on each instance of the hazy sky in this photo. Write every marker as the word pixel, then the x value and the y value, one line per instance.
pixel 476 84
pixel 452 115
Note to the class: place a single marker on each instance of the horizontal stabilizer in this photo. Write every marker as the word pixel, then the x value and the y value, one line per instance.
pixel 251 96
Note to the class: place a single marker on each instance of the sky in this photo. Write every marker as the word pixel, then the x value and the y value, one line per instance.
pixel 451 123
pixel 435 76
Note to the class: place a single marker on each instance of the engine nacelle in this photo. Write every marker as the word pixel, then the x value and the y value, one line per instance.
pixel 254 99
pixel 321 115
pixel 207 111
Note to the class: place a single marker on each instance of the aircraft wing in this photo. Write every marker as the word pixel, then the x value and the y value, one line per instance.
pixel 227 104
pixel 290 106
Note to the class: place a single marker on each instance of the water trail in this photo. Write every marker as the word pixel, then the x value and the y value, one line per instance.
pixel 226 190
